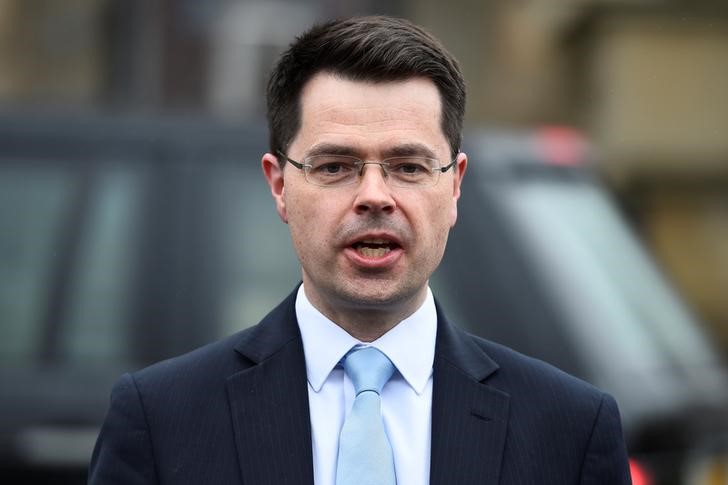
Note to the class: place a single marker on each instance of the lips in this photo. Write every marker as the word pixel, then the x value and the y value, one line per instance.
pixel 374 251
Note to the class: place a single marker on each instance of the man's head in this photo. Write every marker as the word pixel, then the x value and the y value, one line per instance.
pixel 371 188
pixel 371 49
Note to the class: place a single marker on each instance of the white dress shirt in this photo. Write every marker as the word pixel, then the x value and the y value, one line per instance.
pixel 406 398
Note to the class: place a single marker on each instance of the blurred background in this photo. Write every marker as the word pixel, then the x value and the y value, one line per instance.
pixel 134 223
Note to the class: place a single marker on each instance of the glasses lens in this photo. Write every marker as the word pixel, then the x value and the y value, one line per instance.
pixel 336 170
pixel 332 170
pixel 405 172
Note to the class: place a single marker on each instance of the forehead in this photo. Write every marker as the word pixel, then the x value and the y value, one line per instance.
pixel 369 116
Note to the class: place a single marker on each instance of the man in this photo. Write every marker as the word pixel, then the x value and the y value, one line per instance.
pixel 365 120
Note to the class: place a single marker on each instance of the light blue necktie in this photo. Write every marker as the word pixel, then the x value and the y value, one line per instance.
pixel 365 455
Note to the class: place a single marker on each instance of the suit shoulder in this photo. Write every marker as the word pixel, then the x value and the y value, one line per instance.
pixel 567 426
pixel 216 358
pixel 517 369
pixel 214 362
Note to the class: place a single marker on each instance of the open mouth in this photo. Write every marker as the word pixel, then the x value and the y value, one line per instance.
pixel 374 248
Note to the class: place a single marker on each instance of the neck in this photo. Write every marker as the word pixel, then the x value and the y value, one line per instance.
pixel 366 321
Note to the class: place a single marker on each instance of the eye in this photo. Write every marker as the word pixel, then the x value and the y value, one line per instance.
pixel 332 169
pixel 331 165
pixel 410 167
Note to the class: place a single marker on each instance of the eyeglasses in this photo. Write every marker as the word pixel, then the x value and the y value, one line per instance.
pixel 340 170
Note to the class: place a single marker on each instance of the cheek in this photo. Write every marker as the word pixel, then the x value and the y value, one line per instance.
pixel 296 216
pixel 440 218
pixel 310 222
pixel 449 210
pixel 303 240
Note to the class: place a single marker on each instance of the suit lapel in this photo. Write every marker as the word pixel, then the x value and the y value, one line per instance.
pixel 469 418
pixel 270 414
pixel 269 403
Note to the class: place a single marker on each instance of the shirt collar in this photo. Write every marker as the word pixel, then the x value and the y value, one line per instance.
pixel 410 345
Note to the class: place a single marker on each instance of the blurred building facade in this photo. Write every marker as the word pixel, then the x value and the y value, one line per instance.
pixel 644 78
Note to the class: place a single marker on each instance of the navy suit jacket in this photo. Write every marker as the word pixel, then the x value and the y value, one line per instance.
pixel 236 412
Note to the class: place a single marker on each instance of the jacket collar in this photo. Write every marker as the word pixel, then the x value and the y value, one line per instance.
pixel 469 417
pixel 269 405
pixel 277 329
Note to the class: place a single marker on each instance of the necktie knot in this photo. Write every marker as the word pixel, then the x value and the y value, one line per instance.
pixel 368 368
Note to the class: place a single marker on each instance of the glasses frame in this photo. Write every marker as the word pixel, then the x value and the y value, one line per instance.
pixel 305 167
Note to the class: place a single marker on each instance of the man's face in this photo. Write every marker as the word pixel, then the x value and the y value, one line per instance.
pixel 369 245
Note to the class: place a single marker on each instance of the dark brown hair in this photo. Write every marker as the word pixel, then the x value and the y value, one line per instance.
pixel 375 49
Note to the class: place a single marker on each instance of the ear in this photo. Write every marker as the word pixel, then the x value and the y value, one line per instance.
pixel 274 175
pixel 461 164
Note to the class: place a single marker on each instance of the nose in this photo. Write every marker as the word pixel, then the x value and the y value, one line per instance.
pixel 373 194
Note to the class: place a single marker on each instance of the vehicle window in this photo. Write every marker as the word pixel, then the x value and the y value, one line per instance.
pixel 637 278
pixel 34 203
pixel 44 221
pixel 603 277
pixel 97 320
pixel 261 266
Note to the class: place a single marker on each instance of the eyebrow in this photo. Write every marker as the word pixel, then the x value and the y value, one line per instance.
pixel 409 150
pixel 331 149
pixel 403 150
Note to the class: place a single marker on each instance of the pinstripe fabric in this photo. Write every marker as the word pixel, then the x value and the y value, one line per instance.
pixel 232 412
pixel 518 422
pixel 272 427
pixel 237 412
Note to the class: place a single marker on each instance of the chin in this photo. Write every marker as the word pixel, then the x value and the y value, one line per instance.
pixel 374 296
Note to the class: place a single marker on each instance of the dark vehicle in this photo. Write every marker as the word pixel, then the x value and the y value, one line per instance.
pixel 559 275
pixel 126 241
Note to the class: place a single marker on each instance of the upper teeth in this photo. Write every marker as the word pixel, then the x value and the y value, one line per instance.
pixel 374 252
